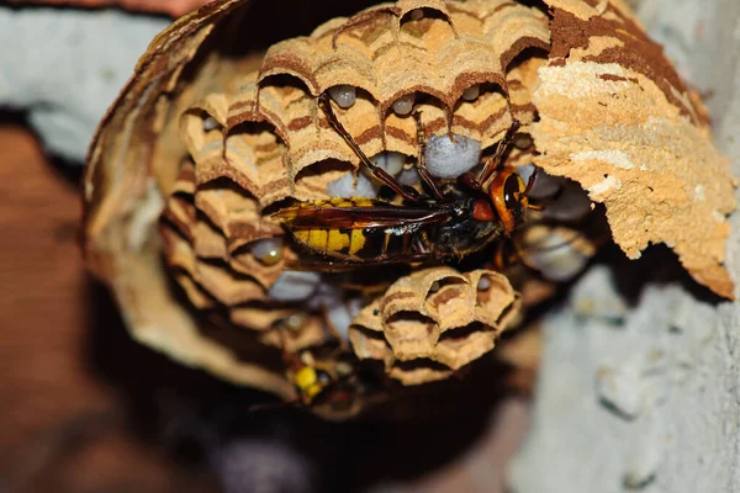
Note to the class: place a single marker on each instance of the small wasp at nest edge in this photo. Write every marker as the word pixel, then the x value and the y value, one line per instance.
pixel 446 223
pixel 322 382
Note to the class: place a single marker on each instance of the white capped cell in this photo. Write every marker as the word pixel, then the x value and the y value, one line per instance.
pixel 471 93
pixel 348 185
pixel 404 105
pixel 344 95
pixel 544 185
pixel 210 123
pixel 571 203
pixel 268 251
pixel 484 283
pixel 409 177
pixel 391 162
pixel 294 285
pixel 449 156
pixel 556 257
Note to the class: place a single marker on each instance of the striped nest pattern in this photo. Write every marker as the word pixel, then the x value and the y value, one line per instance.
pixel 264 140
pixel 433 322
pixel 202 142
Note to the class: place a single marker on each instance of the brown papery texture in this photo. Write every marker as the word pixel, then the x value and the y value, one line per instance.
pixel 263 139
pixel 216 130
pixel 433 322
pixel 615 117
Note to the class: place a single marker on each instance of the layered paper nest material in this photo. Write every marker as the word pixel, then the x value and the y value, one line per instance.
pixel 615 117
pixel 433 322
pixel 211 131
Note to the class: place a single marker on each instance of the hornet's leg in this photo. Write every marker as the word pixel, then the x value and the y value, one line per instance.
pixel 421 166
pixel 495 161
pixel 379 173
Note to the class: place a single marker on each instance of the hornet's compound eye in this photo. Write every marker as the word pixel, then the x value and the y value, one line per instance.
pixel 507 193
pixel 513 191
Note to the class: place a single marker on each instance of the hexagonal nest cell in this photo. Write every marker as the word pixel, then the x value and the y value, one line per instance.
pixel 222 127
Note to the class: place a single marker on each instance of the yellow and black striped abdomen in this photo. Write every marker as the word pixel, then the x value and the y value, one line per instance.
pixel 332 241
pixel 350 229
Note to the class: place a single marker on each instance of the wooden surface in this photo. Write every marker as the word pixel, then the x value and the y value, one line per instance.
pixel 64 423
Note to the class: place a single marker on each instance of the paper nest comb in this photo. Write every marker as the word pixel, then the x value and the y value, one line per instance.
pixel 208 140
pixel 433 322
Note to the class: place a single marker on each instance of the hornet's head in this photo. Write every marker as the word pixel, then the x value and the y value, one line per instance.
pixel 508 200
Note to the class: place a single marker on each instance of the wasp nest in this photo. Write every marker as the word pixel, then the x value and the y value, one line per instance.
pixel 433 322
pixel 213 134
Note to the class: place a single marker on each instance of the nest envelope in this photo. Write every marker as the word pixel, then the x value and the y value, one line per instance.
pixel 209 141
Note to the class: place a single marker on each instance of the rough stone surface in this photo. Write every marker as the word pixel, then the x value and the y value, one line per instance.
pixel 66 68
pixel 648 398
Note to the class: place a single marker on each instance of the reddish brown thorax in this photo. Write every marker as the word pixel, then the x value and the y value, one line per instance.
pixel 482 210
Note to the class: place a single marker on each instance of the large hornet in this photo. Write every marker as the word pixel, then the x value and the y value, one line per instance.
pixel 443 223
